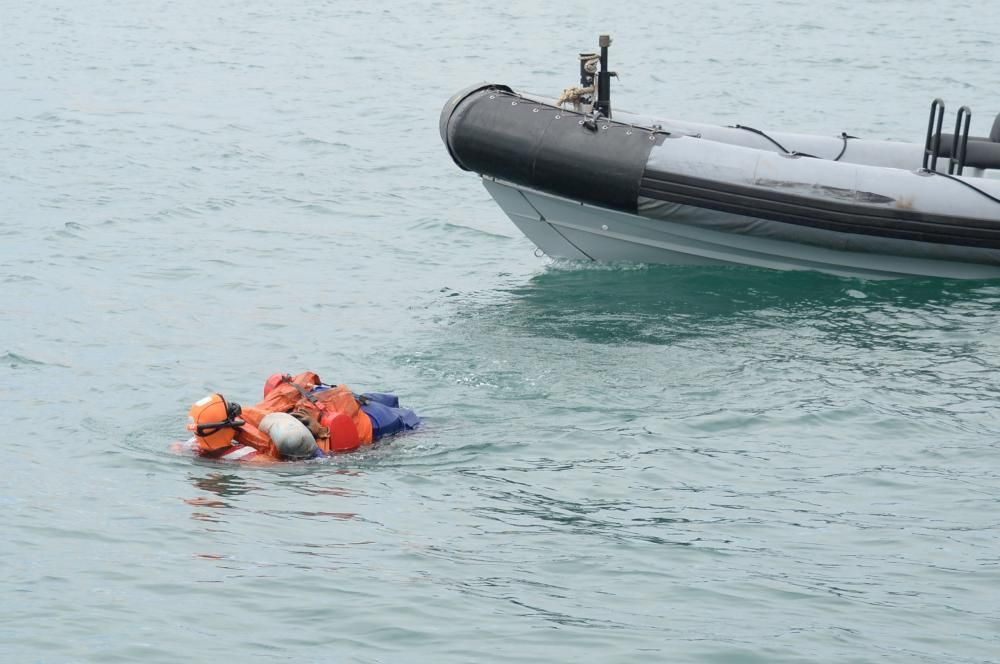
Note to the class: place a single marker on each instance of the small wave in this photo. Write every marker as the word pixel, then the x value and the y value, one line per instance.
pixel 18 278
pixel 66 233
pixel 182 211
pixel 16 361
pixel 219 203
pixel 169 273
pixel 54 118
pixel 317 209
pixel 570 265
pixel 471 230
pixel 305 139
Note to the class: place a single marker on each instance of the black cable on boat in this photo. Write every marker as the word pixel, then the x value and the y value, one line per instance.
pixel 760 133
pixel 961 181
pixel 843 135
pixel 780 146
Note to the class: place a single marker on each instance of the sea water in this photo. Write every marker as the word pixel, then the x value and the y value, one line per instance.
pixel 621 463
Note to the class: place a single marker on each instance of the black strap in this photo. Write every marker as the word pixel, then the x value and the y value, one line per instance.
pixel 305 395
pixel 208 428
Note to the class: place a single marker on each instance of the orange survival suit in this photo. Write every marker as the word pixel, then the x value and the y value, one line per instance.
pixel 344 425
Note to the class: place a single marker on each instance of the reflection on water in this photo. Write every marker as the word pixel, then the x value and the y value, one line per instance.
pixel 224 484
pixel 632 350
pixel 314 485
pixel 219 484
pixel 663 305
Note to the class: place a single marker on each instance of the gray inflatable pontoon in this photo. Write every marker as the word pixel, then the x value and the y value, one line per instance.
pixel 582 185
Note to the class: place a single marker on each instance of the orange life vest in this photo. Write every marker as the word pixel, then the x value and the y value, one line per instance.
pixel 249 434
pixel 346 425
pixel 295 394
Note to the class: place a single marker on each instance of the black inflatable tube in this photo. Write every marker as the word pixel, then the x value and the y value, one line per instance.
pixel 492 131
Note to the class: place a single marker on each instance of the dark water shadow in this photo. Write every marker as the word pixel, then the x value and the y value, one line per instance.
pixel 662 305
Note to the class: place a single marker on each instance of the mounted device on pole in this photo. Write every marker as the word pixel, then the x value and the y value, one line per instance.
pixel 603 105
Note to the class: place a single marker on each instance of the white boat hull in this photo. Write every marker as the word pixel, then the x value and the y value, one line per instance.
pixel 565 228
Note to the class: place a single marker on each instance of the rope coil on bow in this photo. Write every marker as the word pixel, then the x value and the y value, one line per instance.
pixel 577 95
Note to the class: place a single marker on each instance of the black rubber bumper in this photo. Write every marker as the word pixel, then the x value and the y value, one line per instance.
pixel 490 130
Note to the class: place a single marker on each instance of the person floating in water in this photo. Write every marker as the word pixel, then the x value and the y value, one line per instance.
pixel 300 418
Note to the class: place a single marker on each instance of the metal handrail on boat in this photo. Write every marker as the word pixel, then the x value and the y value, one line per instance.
pixel 932 144
pixel 960 141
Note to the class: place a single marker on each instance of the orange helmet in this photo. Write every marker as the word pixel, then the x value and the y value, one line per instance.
pixel 212 420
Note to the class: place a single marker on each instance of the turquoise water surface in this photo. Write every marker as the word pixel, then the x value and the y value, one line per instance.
pixel 620 463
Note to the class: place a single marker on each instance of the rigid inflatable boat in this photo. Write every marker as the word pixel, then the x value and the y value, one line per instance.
pixel 584 184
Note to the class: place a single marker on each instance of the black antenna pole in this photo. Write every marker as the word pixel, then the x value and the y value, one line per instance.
pixel 603 105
